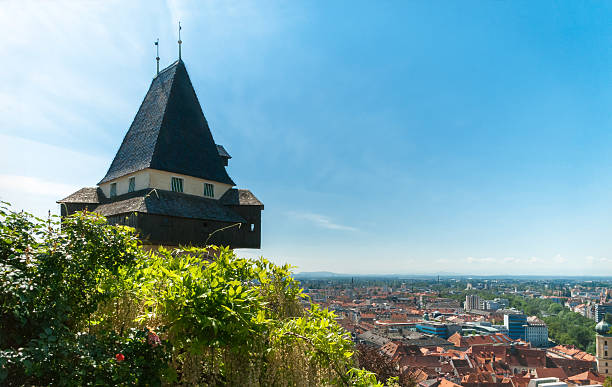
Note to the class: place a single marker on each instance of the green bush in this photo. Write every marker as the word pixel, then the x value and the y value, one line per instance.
pixel 84 304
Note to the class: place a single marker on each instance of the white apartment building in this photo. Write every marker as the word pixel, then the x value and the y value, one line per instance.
pixel 472 302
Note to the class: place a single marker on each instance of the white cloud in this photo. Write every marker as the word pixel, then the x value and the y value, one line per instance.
pixel 33 175
pixel 559 259
pixel 320 221
pixel 34 185
pixel 32 194
pixel 63 77
pixel 598 260
pixel 481 260
pixel 533 260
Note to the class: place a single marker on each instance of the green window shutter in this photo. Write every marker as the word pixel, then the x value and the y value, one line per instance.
pixel 177 184
pixel 113 190
pixel 132 185
pixel 209 190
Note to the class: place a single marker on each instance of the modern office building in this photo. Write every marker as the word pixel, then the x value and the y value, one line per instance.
pixel 601 310
pixel 515 323
pixel 436 329
pixel 536 334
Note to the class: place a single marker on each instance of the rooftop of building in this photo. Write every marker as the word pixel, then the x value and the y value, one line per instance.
pixel 170 133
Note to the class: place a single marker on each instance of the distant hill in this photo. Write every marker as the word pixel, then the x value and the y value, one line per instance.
pixel 443 275
pixel 319 275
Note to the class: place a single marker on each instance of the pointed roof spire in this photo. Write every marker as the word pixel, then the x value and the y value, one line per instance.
pixel 180 41
pixel 170 133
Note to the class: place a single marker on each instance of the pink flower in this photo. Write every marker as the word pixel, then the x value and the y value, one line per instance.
pixel 119 357
pixel 153 339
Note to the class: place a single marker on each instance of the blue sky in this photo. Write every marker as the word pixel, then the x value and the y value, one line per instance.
pixel 383 137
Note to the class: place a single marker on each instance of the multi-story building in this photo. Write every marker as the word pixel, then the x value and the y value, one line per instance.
pixel 436 329
pixel 491 305
pixel 482 304
pixel 603 355
pixel 589 311
pixel 472 302
pixel 515 323
pixel 536 334
pixel 501 328
pixel 601 310
pixel 503 302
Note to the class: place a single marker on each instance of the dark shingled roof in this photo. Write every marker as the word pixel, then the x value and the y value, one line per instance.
pixel 84 195
pixel 240 197
pixel 223 152
pixel 170 133
pixel 160 202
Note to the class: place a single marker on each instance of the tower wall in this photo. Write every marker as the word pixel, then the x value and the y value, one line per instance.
pixel 603 353
pixel 152 178
pixel 174 231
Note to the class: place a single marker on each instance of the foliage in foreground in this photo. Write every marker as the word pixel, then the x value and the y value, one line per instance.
pixel 84 304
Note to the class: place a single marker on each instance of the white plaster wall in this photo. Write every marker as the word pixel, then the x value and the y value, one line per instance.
pixel 123 183
pixel 153 178
pixel 191 185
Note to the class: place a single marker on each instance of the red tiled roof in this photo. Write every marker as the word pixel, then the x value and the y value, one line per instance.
pixel 573 352
pixel 447 383
pixel 468 341
pixel 589 376
pixel 523 357
pixel 551 373
pixel 521 380
pixel 498 351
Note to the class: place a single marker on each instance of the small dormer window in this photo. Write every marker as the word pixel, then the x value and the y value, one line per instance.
pixel 177 184
pixel 209 190
pixel 132 184
pixel 113 190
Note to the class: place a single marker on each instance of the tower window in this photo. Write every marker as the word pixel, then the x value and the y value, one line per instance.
pixel 113 190
pixel 177 184
pixel 209 190
pixel 132 184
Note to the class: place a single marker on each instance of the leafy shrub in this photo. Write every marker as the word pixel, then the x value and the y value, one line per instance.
pixel 84 304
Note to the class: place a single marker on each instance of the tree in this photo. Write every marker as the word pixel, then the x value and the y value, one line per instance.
pixel 371 359
pixel 84 304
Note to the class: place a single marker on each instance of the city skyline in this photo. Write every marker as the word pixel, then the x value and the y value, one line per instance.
pixel 397 138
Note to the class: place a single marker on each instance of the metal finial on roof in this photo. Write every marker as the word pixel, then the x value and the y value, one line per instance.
pixel 180 41
pixel 157 58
